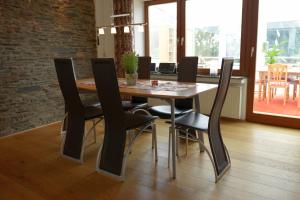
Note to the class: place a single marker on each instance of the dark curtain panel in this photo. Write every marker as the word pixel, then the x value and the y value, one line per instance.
pixel 123 41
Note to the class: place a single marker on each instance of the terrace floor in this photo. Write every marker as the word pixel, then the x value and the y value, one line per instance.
pixel 276 107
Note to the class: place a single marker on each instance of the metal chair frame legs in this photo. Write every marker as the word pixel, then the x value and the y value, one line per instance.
pixel 146 129
pixel 132 137
pixel 63 135
pixel 63 126
pixel 217 177
pixel 93 128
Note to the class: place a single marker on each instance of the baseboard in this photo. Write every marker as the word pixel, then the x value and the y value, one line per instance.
pixel 28 130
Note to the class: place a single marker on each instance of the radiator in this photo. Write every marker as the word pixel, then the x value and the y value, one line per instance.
pixel 235 103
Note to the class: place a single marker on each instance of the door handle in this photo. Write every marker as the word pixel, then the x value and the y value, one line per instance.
pixel 182 41
pixel 252 52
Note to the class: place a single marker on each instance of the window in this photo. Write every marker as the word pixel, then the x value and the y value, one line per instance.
pixel 212 32
pixel 196 28
pixel 162 23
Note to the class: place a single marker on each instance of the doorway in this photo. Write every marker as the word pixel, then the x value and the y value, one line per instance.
pixel 274 93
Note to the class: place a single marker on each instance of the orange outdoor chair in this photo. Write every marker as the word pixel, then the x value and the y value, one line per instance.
pixel 277 78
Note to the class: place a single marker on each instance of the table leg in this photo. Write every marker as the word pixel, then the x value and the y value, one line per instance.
pixel 197 108
pixel 172 102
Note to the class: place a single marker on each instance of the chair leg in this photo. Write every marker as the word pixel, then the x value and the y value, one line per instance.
pixel 200 146
pixel 126 154
pixel 285 96
pixel 63 126
pixel 94 130
pixel 153 138
pixel 130 144
pixel 294 90
pixel 201 138
pixel 169 148
pixel 155 141
pixel 264 91
pixel 177 142
pixel 259 90
pixel 186 143
pixel 217 177
pixel 129 136
pixel 269 95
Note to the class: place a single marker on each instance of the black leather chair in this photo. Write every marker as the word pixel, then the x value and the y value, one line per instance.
pixel 211 124
pixel 143 73
pixel 187 72
pixel 118 123
pixel 76 112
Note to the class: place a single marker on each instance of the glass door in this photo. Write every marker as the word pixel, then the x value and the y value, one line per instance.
pixel 162 32
pixel 275 83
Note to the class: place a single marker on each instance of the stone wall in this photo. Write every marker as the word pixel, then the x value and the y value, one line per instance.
pixel 32 33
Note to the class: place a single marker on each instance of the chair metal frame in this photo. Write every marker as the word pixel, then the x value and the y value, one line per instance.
pixel 201 144
pixel 215 115
pixel 66 78
pixel 114 151
pixel 133 135
pixel 85 135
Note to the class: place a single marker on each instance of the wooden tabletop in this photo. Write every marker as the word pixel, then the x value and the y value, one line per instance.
pixel 164 90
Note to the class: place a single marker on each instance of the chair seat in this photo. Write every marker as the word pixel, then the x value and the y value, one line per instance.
pixel 165 111
pixel 279 84
pixel 128 105
pixel 136 120
pixel 193 120
pixel 92 111
pixel 91 102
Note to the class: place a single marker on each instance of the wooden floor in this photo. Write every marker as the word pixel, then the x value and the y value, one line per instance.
pixel 265 165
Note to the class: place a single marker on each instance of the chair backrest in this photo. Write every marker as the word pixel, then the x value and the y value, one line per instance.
pixel 187 69
pixel 167 68
pixel 66 79
pixel 109 95
pixel 214 133
pixel 144 67
pixel 108 90
pixel 152 67
pixel 277 73
pixel 143 73
pixel 187 72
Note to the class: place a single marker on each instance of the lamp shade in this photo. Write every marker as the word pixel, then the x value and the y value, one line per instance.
pixel 101 31
pixel 126 29
pixel 113 30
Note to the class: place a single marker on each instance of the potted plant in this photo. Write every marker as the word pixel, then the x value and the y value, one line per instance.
pixel 271 54
pixel 130 64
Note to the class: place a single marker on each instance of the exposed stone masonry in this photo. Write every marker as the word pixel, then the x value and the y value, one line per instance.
pixel 32 33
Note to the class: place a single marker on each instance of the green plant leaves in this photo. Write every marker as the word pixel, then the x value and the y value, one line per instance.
pixel 130 62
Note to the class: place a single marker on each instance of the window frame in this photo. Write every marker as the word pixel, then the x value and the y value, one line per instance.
pixel 245 48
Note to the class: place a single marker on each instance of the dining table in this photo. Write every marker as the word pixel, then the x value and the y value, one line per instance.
pixel 166 90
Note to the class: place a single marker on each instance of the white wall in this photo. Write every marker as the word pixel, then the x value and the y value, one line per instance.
pixel 103 11
pixel 139 37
